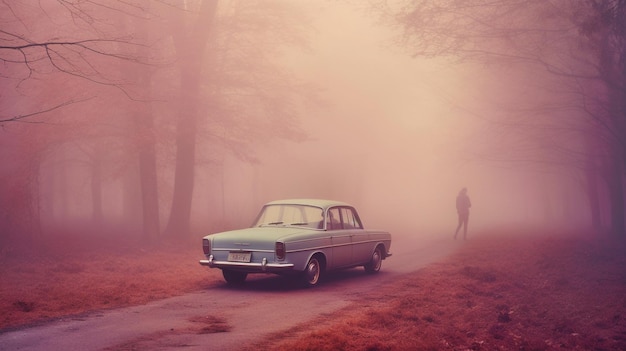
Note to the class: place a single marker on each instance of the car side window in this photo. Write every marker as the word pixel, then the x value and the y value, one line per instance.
pixel 342 218
pixel 350 219
pixel 333 220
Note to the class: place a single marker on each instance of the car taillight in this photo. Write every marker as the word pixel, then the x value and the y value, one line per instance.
pixel 206 246
pixel 280 250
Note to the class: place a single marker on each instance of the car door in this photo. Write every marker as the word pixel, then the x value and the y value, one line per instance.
pixel 341 239
pixel 361 245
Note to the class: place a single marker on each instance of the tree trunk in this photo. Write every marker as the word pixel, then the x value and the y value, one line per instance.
pixel 144 124
pixel 191 45
pixel 96 187
pixel 616 194
pixel 621 105
pixel 594 199
pixel 613 76
pixel 180 214
pixel 591 179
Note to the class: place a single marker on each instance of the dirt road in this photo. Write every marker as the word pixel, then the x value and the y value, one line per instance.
pixel 221 317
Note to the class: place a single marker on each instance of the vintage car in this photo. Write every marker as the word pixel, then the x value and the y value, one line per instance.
pixel 305 237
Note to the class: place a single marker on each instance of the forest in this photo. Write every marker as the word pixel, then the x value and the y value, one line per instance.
pixel 164 120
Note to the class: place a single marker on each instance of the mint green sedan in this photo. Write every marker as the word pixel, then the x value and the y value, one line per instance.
pixel 302 237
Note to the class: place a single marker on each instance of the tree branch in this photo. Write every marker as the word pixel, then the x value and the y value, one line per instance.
pixel 22 118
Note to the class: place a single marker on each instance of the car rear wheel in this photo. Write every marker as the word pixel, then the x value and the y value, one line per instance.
pixel 234 277
pixel 375 262
pixel 312 272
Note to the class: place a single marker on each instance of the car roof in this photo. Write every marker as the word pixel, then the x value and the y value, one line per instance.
pixel 311 202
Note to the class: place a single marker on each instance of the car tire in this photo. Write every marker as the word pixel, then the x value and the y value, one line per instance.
pixel 234 277
pixel 373 266
pixel 312 272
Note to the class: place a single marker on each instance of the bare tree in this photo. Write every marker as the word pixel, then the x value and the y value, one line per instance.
pixel 82 46
pixel 57 57
pixel 581 47
pixel 234 96
pixel 118 90
pixel 191 38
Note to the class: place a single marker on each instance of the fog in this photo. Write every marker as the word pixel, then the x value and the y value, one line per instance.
pixel 394 135
pixel 399 138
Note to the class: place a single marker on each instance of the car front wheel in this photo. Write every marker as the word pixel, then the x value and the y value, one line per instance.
pixel 312 272
pixel 234 277
pixel 375 262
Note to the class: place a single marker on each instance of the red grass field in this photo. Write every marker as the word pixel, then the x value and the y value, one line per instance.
pixel 523 293
pixel 565 293
pixel 59 280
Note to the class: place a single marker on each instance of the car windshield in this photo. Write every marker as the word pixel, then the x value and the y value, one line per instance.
pixel 291 215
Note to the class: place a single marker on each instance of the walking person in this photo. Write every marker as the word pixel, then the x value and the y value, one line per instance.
pixel 463 205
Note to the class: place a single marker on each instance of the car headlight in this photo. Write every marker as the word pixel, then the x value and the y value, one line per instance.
pixel 280 250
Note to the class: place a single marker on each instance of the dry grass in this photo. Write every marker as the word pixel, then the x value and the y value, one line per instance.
pixel 496 294
pixel 538 293
pixel 60 279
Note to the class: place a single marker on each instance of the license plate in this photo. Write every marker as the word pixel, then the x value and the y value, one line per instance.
pixel 239 256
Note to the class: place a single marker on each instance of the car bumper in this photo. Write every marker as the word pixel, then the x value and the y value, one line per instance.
pixel 251 267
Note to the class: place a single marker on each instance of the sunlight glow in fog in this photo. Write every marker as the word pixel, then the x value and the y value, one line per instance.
pixel 393 135
pixel 397 139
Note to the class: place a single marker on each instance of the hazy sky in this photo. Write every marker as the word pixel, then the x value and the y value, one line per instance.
pixel 397 137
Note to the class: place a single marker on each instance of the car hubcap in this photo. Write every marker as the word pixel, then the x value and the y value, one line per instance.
pixel 376 260
pixel 313 272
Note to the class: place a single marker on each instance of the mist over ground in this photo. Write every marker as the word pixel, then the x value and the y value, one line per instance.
pixel 396 134
pixel 399 137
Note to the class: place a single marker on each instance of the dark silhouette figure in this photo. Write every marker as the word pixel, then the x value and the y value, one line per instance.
pixel 463 205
